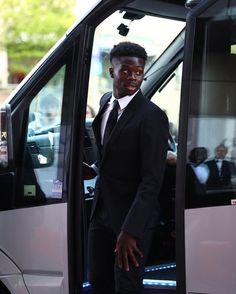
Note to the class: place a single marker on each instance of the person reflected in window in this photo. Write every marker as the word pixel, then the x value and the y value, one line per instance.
pixel 197 174
pixel 221 170
pixel 48 115
pixel 167 194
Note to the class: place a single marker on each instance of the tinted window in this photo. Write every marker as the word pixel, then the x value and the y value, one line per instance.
pixel 211 172
pixel 41 176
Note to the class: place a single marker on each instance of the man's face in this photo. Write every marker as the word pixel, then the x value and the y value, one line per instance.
pixel 49 113
pixel 127 73
pixel 221 152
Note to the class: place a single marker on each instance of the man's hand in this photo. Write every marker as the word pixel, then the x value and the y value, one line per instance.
pixel 127 250
pixel 171 157
pixel 88 172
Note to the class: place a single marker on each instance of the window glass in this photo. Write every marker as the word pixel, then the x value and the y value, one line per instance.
pixel 139 31
pixel 211 144
pixel 168 99
pixel 40 177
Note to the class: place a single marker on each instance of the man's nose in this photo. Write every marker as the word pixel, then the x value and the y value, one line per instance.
pixel 132 76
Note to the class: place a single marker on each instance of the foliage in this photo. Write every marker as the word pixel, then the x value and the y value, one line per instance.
pixel 31 27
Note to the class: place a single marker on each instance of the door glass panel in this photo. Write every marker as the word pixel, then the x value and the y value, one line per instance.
pixel 168 99
pixel 211 144
pixel 41 179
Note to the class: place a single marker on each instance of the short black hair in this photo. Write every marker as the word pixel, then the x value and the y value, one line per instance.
pixel 128 49
pixel 198 155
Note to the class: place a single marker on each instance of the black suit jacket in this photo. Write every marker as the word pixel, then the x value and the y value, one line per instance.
pixel 131 165
pixel 223 180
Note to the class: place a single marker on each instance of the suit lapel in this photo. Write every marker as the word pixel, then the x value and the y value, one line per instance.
pixel 97 120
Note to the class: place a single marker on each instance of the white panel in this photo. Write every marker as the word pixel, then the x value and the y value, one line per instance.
pixel 35 239
pixel 210 243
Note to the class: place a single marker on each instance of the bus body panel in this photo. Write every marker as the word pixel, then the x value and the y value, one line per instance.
pixel 41 233
pixel 7 266
pixel 210 243
pixel 37 284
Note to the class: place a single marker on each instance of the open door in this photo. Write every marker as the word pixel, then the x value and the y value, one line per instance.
pixel 41 218
pixel 207 150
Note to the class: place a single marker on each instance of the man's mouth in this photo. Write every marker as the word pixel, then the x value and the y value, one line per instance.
pixel 131 87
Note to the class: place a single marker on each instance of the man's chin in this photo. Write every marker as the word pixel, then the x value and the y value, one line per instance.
pixel 128 92
pixel 131 90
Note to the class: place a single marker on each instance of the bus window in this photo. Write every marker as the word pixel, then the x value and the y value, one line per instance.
pixel 210 185
pixel 211 175
pixel 168 99
pixel 40 175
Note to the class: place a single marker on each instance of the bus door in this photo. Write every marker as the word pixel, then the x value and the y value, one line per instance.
pixel 44 208
pixel 40 216
pixel 207 150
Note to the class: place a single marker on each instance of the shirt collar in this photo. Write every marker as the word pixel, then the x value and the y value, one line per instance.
pixel 124 101
pixel 218 159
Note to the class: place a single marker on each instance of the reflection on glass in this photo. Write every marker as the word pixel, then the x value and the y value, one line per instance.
pixel 197 175
pixel 221 170
pixel 44 126
pixel 212 111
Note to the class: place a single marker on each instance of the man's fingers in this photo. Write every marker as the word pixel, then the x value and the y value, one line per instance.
pixel 127 251
pixel 125 261
pixel 133 259
pixel 133 255
pixel 119 257
pixel 138 251
pixel 122 259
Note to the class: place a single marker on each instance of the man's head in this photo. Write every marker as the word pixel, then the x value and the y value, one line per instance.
pixel 198 155
pixel 221 151
pixel 49 108
pixel 127 68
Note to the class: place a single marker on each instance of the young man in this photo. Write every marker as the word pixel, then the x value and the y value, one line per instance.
pixel 130 167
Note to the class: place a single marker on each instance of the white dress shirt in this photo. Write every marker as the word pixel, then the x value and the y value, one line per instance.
pixel 201 171
pixel 219 162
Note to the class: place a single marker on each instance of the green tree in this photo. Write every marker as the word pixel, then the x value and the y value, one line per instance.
pixel 31 28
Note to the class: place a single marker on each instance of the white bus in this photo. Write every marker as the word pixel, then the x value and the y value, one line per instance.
pixel 44 202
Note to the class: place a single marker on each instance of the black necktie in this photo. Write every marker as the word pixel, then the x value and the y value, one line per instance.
pixel 111 121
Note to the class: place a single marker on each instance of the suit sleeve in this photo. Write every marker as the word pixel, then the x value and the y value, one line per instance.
pixel 154 134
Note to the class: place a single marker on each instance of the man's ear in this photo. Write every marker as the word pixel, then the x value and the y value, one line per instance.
pixel 111 72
